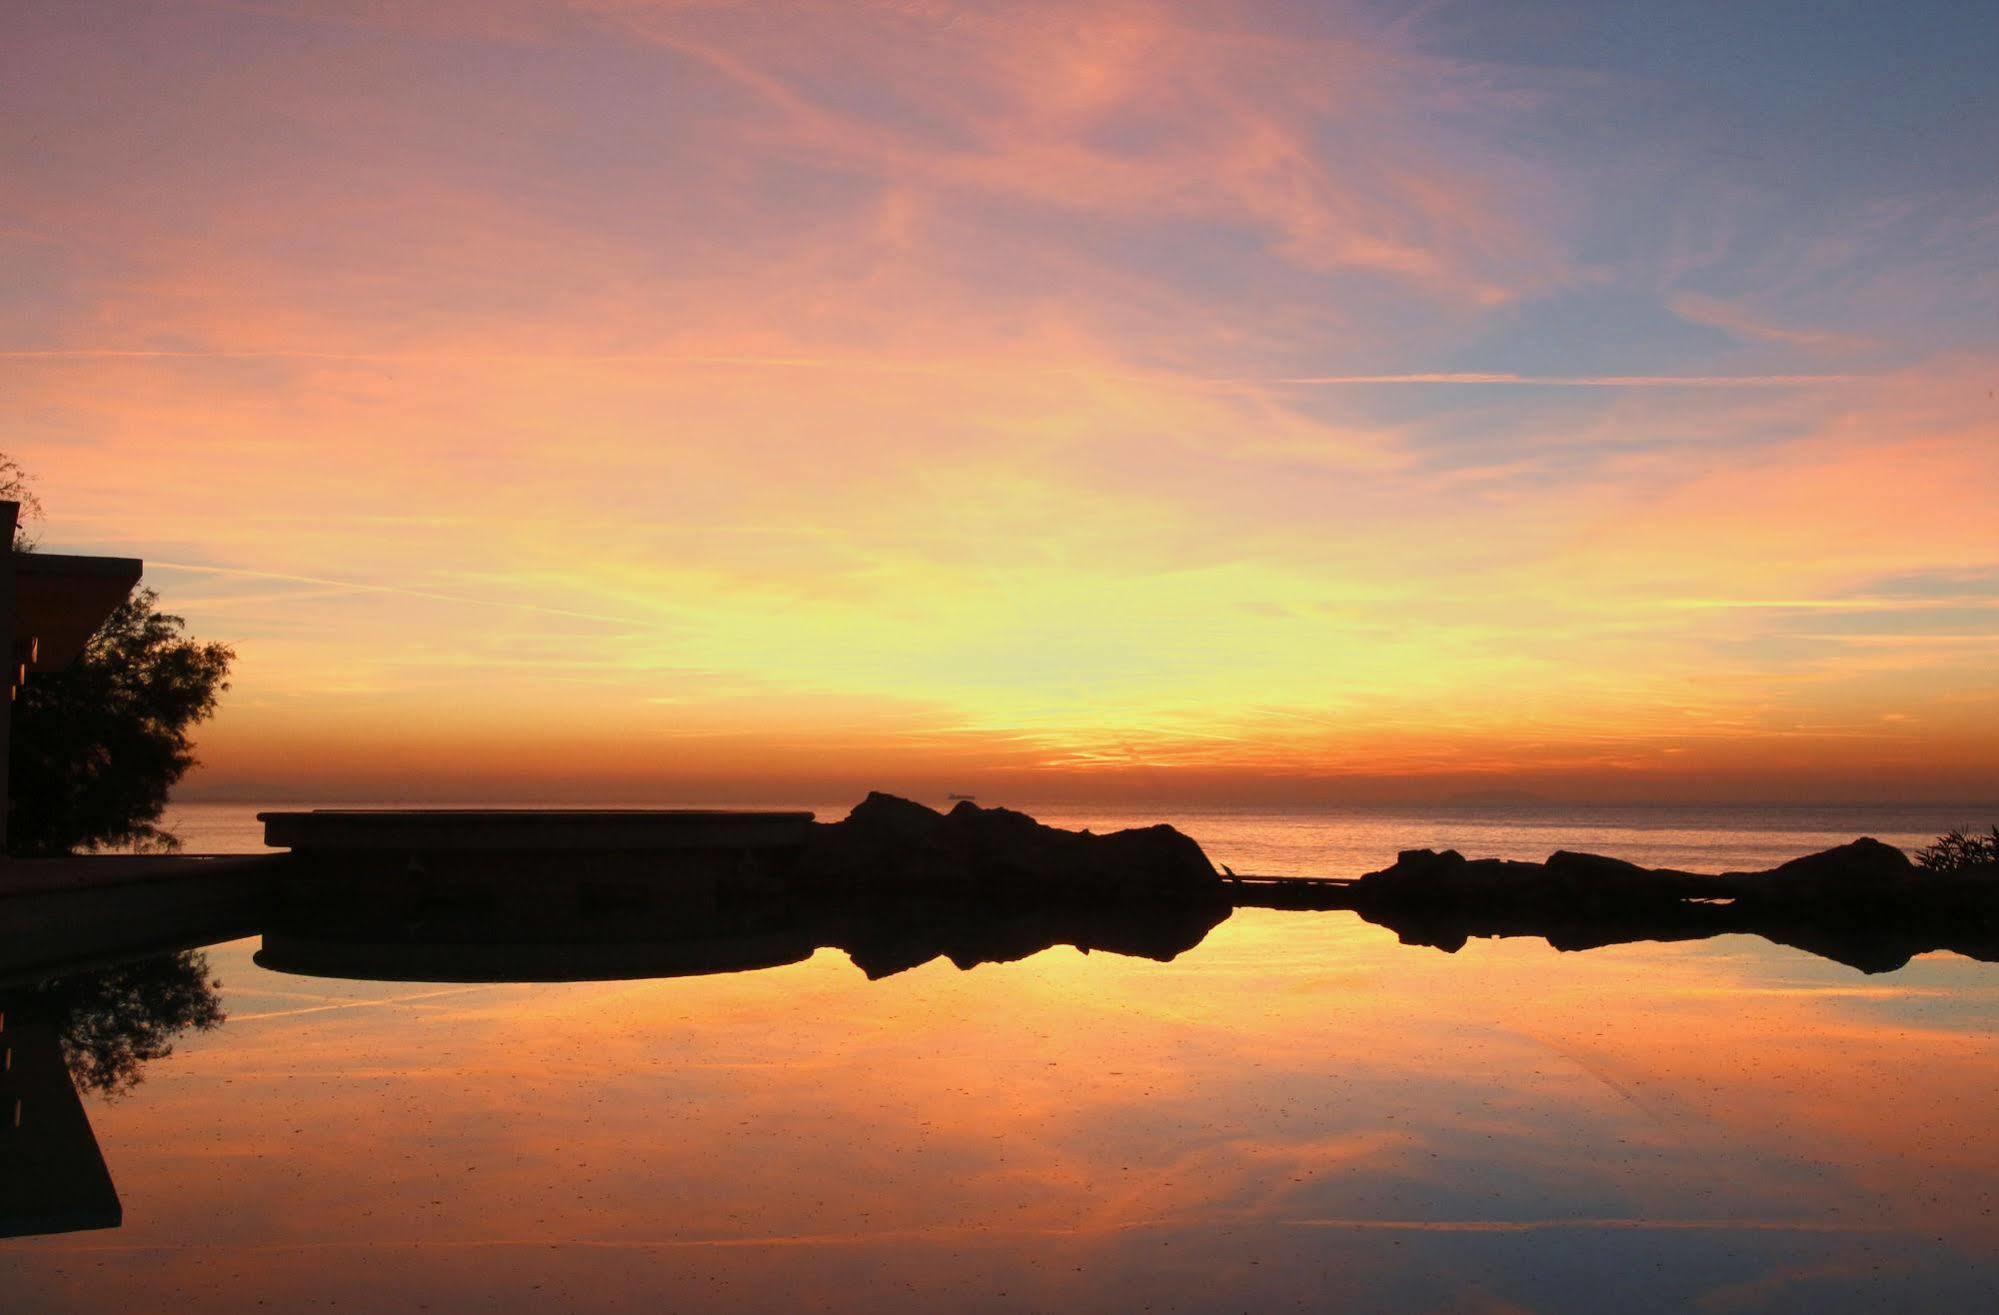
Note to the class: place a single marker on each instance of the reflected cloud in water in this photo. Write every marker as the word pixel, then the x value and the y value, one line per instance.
pixel 1294 1110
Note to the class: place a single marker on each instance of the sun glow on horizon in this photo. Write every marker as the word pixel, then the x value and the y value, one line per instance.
pixel 613 398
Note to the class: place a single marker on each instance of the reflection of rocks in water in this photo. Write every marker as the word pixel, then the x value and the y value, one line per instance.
pixel 1880 948
pixel 94 1030
pixel 895 884
pixel 1862 904
pixel 881 936
pixel 892 939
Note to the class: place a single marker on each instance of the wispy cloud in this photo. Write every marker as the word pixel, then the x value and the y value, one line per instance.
pixel 905 366
pixel 1240 388
pixel 1741 322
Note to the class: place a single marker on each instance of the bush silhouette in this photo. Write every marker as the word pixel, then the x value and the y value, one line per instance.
pixel 1958 852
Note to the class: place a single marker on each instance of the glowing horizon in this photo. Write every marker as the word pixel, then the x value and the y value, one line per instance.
pixel 668 399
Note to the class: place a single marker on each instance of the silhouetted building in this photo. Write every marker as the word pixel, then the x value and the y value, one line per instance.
pixel 50 605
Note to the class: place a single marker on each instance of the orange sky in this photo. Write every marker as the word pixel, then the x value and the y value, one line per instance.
pixel 653 399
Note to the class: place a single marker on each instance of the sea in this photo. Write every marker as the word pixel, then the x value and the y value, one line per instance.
pixel 1298 1112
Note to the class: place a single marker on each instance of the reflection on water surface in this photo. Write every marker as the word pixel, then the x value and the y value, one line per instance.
pixel 1297 1112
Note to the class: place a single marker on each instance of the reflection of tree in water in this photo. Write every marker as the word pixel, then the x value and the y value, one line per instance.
pixel 110 1023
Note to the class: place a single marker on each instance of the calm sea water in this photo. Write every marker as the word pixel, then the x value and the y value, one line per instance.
pixel 1299 1113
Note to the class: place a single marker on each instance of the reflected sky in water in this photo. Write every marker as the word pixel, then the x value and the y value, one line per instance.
pixel 1299 1113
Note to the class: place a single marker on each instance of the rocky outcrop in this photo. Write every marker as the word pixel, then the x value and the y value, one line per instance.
pixel 894 885
pixel 1431 877
pixel 1863 903
pixel 1863 868
pixel 891 845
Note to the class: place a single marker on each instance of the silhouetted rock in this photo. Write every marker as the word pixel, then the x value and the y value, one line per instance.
pixel 1865 859
pixel 1595 871
pixel 889 819
pixel 1570 880
pixel 897 884
pixel 1863 903
pixel 892 845
pixel 1862 866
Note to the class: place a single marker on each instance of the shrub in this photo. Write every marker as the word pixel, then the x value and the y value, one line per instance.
pixel 1958 852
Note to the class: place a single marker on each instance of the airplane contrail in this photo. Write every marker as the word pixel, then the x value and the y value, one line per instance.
pixel 363 587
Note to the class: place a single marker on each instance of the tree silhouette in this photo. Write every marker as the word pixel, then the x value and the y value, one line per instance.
pixel 112 1023
pixel 97 746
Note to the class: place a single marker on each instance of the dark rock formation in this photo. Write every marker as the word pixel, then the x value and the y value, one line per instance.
pixel 1862 873
pixel 1863 903
pixel 1575 880
pixel 1865 868
pixel 891 845
pixel 894 885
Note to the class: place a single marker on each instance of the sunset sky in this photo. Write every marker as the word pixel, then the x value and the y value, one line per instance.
pixel 658 399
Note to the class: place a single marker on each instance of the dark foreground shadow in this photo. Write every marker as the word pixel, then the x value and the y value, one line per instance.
pixel 95 1032
pixel 495 940
pixel 550 896
pixel 424 897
